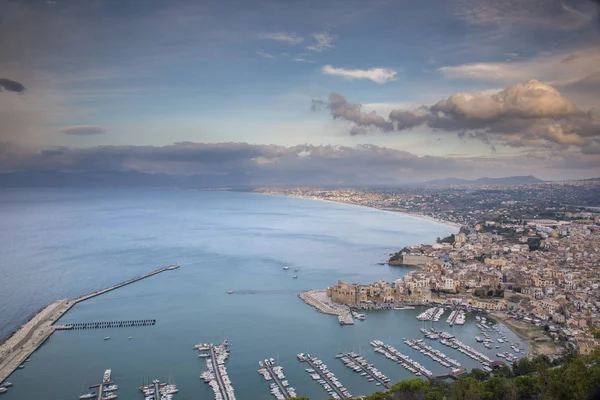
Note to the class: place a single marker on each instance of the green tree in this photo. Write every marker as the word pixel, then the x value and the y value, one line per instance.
pixel 527 387
pixel 524 366
pixel 379 396
pixel 410 389
pixel 503 372
pixel 467 388
pixel 479 374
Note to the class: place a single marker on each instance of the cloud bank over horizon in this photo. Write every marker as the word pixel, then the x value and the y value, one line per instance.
pixel 250 164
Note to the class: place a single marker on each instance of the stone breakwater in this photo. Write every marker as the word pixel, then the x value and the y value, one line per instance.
pixel 323 304
pixel 26 340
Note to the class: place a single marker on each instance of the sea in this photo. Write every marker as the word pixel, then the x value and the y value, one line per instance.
pixel 61 243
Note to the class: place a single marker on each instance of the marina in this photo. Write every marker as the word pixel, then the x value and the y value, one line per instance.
pixel 324 377
pixel 271 371
pixel 216 372
pixel 106 390
pixel 359 365
pixel 431 314
pixel 393 354
pixel 456 317
pixel 159 391
pixel 432 353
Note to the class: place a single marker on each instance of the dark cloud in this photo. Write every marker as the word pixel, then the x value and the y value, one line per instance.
pixel 84 130
pixel 239 164
pixel 11 86
pixel 530 114
pixel 341 109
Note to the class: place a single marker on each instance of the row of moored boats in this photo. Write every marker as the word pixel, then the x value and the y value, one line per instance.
pixel 320 373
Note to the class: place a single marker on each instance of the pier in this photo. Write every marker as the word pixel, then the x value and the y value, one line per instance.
pixel 391 353
pixel 339 392
pixel 217 372
pixel 319 300
pixel 108 324
pixel 368 369
pixel 19 347
pixel 281 390
pixel 432 353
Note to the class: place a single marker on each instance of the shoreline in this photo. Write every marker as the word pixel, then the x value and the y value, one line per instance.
pixel 412 215
pixel 528 333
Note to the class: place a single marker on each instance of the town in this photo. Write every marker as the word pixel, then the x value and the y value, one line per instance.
pixel 533 267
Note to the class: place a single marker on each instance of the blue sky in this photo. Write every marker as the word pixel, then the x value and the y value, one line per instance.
pixel 154 73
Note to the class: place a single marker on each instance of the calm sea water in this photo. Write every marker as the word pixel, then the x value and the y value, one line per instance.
pixel 58 243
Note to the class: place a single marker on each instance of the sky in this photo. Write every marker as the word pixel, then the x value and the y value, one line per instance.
pixel 380 91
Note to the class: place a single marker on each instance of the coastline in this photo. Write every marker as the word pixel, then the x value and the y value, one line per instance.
pixel 528 333
pixel 412 215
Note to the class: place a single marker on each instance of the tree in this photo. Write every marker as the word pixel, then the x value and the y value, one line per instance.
pixel 479 374
pixel 503 372
pixel 467 388
pixel 527 387
pixel 524 366
pixel 490 293
pixel 379 396
pixel 410 389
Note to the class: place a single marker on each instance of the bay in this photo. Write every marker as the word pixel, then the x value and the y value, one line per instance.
pixel 60 243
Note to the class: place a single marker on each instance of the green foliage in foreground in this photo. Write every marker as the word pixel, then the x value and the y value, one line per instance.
pixel 574 377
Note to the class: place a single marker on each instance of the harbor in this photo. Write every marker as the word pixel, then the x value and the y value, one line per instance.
pixel 320 373
pixel 323 304
pixel 25 341
pixel 216 372
pixel 281 388
pixel 359 365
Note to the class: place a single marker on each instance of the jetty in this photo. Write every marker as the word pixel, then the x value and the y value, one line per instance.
pixel 106 324
pixel 391 353
pixel 216 372
pixel 324 377
pixel 271 371
pixel 323 304
pixel 362 366
pixel 19 347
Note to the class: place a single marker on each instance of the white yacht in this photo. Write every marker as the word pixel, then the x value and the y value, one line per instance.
pixel 286 268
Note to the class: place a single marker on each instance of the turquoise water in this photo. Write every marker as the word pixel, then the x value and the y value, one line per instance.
pixel 61 243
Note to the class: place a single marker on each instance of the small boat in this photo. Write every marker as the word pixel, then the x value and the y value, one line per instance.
pixel 296 269
pixel 88 396
pixel 21 366
pixel 6 384
pixel 129 337
pixel 286 268
pixel 3 390
pixel 29 359
pixel 295 276
pixel 230 292
pixel 107 338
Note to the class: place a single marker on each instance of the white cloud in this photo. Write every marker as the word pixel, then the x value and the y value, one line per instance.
pixel 556 69
pixel 379 75
pixel 290 38
pixel 324 42
pixel 264 54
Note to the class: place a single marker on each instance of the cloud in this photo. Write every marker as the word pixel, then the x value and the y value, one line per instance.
pixel 83 130
pixel 290 38
pixel 243 164
pixel 264 54
pixel 528 14
pixel 341 109
pixel 531 114
pixel 11 86
pixel 324 42
pixel 378 75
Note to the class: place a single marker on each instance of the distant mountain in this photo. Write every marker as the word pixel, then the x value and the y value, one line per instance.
pixel 509 180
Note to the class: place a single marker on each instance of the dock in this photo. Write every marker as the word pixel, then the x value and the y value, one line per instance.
pixel 216 372
pixel 391 353
pixel 337 392
pixel 432 353
pixel 319 300
pixel 25 341
pixel 371 371
pixel 106 324
pixel 281 390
